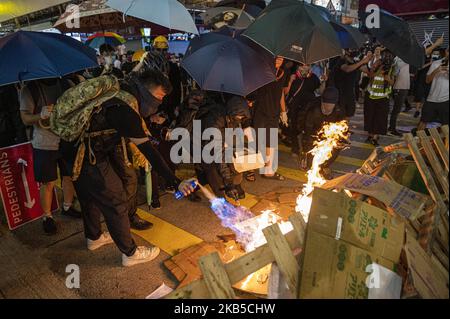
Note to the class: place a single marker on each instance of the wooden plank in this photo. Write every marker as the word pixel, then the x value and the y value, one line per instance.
pixel 237 269
pixel 286 261
pixel 216 277
pixel 440 146
pixel 441 175
pixel 299 225
pixel 444 130
pixel 424 170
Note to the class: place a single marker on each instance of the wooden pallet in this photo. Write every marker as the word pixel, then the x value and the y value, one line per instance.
pixel 218 278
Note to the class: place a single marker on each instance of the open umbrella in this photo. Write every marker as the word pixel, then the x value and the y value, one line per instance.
pixel 95 15
pixel 168 13
pixel 218 17
pixel 27 55
pixel 225 62
pixel 252 7
pixel 111 38
pixel 349 37
pixel 396 35
pixel 295 30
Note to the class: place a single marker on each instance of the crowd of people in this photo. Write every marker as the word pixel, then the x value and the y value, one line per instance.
pixel 297 104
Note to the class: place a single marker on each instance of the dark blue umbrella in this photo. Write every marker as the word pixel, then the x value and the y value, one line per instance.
pixel 227 62
pixel 349 37
pixel 26 56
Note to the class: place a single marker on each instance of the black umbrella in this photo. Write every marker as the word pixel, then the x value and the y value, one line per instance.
pixel 295 30
pixel 396 35
pixel 349 37
pixel 226 62
pixel 252 7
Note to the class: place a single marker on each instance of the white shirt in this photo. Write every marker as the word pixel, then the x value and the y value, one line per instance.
pixel 439 87
pixel 118 64
pixel 403 77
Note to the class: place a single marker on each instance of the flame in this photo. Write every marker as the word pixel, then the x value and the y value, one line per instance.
pixel 328 139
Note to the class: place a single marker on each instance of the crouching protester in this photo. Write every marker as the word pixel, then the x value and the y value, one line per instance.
pixel 108 116
pixel 320 111
pixel 222 176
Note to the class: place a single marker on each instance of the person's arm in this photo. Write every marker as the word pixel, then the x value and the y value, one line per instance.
pixel 435 45
pixel 129 125
pixel 348 68
pixel 27 107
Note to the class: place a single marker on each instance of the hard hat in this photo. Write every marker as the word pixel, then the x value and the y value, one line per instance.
pixel 138 55
pixel 161 42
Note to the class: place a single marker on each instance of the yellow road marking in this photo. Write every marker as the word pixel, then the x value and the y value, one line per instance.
pixel 164 235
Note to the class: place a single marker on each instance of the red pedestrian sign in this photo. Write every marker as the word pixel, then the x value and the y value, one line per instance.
pixel 19 191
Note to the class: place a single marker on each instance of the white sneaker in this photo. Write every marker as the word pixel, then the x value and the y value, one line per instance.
pixel 105 239
pixel 142 255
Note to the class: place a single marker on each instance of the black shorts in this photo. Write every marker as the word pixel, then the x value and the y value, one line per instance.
pixel 435 112
pixel 46 165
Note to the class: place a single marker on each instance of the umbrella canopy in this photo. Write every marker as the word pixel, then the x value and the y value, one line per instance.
pixel 349 37
pixel 227 16
pixel 295 30
pixel 219 61
pixel 111 38
pixel 27 55
pixel 252 7
pixel 95 15
pixel 168 13
pixel 396 35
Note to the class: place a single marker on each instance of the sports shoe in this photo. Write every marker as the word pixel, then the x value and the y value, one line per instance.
pixel 241 192
pixel 141 255
pixel 104 239
pixel 49 226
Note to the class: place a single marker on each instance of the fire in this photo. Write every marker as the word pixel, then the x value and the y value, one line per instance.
pixel 328 139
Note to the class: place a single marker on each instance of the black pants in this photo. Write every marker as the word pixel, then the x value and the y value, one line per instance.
pixel 293 129
pixel 101 192
pixel 399 99
pixel 129 178
pixel 376 113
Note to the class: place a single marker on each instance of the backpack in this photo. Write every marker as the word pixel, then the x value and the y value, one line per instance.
pixel 73 111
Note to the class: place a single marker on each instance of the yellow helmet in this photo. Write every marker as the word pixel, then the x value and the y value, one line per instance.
pixel 161 42
pixel 137 55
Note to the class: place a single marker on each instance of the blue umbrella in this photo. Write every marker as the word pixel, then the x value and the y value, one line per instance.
pixel 224 62
pixel 27 55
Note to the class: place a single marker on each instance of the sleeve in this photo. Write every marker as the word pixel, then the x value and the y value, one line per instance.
pixel 433 67
pixel 26 100
pixel 126 121
pixel 128 124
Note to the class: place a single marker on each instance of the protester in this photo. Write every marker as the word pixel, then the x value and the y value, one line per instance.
pixel 345 78
pixel 107 63
pixel 435 108
pixel 376 103
pixel 101 189
pixel 269 109
pixel 12 130
pixel 319 111
pixel 37 99
pixel 302 87
pixel 401 89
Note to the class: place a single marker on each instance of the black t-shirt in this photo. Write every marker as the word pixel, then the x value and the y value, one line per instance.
pixel 268 97
pixel 302 91
pixel 343 81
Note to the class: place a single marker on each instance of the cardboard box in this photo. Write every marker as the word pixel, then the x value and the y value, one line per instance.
pixel 335 269
pixel 357 223
pixel 396 197
pixel 423 274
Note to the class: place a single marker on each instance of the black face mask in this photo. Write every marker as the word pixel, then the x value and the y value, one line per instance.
pixel 148 103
